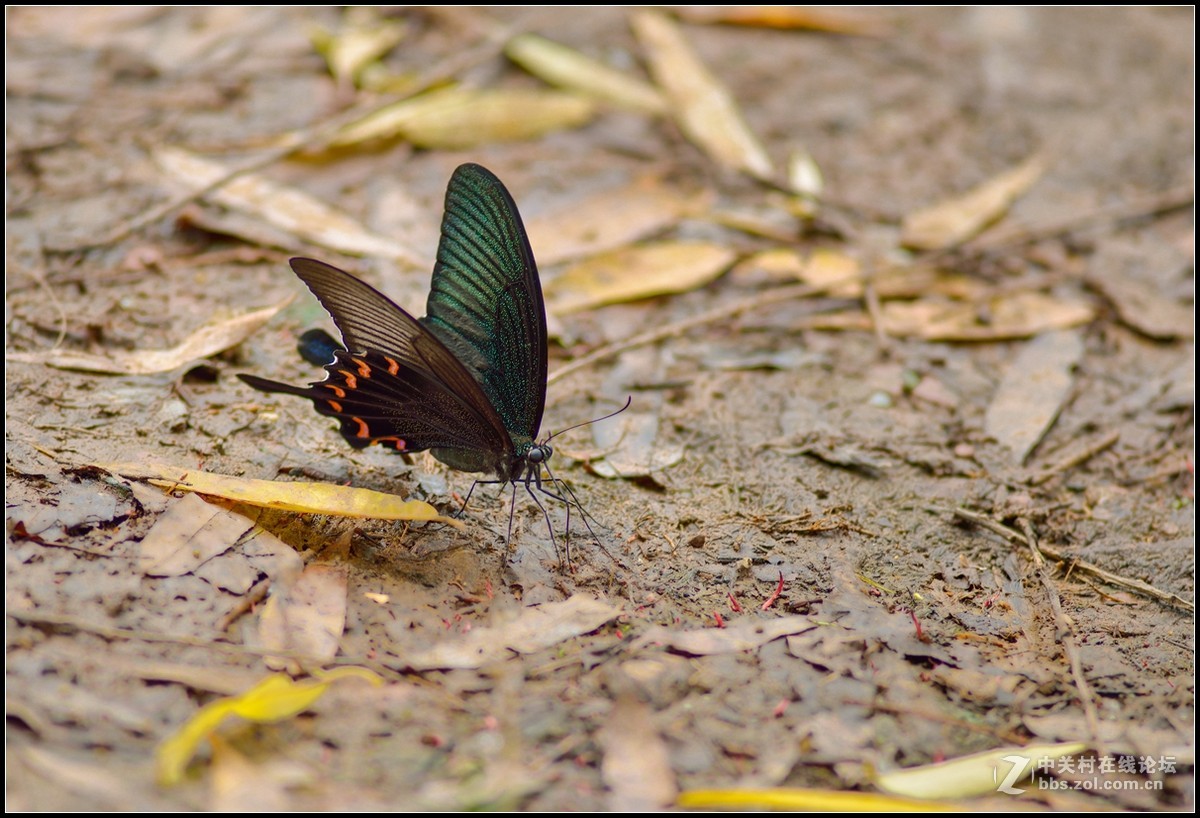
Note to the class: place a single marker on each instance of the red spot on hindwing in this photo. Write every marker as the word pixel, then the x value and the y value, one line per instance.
pixel 393 366
pixel 335 406
pixel 363 369
pixel 351 381
pixel 363 431
pixel 337 390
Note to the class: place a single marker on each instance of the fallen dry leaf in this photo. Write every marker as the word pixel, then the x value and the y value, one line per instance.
pixel 630 441
pixel 535 629
pixel 612 218
pixel 190 533
pixel 735 638
pixel 1032 392
pixel 308 617
pixel 567 68
pixel 457 118
pixel 954 221
pixel 636 764
pixel 239 784
pixel 703 108
pixel 289 209
pixel 206 341
pixel 633 273
pixel 1017 315
pixel 307 498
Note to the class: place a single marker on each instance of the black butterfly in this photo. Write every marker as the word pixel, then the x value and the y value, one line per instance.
pixel 467 381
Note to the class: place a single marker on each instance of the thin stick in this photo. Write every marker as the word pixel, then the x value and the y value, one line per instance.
pixel 1065 630
pixel 1135 585
pixel 1073 460
pixel 710 317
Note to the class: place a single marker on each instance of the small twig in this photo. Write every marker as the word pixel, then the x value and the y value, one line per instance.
pixel 296 141
pixel 1154 205
pixel 1065 631
pixel 712 316
pixel 1135 585
pixel 1073 460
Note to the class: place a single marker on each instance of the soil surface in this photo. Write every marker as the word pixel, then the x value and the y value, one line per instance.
pixel 842 529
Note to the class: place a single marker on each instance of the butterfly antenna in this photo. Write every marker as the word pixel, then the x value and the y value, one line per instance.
pixel 628 401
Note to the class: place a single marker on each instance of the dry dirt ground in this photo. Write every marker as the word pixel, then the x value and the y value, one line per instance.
pixel 859 476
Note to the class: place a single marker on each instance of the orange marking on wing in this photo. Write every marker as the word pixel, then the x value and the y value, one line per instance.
pixel 363 369
pixel 337 390
pixel 363 431
pixel 400 444
pixel 393 367
pixel 335 406
pixel 351 381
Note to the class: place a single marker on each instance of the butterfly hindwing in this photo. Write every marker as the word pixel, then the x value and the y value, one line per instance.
pixel 376 399
pixel 485 301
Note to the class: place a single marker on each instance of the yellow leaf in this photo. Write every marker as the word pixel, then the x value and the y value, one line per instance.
pixel 275 698
pixel 1015 315
pixel 309 498
pixel 363 38
pixel 802 799
pixel 954 221
pixel 567 68
pixel 704 109
pixel 972 775
pixel 456 118
pixel 632 273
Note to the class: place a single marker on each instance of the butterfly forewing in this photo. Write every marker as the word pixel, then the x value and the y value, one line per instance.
pixel 468 381
pixel 485 302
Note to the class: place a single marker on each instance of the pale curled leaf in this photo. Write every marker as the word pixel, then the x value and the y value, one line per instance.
pixel 637 272
pixel 308 498
pixel 456 118
pixel 952 222
pixel 804 177
pixel 703 108
pixel 978 774
pixel 289 209
pixel 567 68
pixel 206 341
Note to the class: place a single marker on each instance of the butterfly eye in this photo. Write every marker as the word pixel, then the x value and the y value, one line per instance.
pixel 539 454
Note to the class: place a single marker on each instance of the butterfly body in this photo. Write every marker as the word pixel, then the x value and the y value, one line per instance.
pixel 467 381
